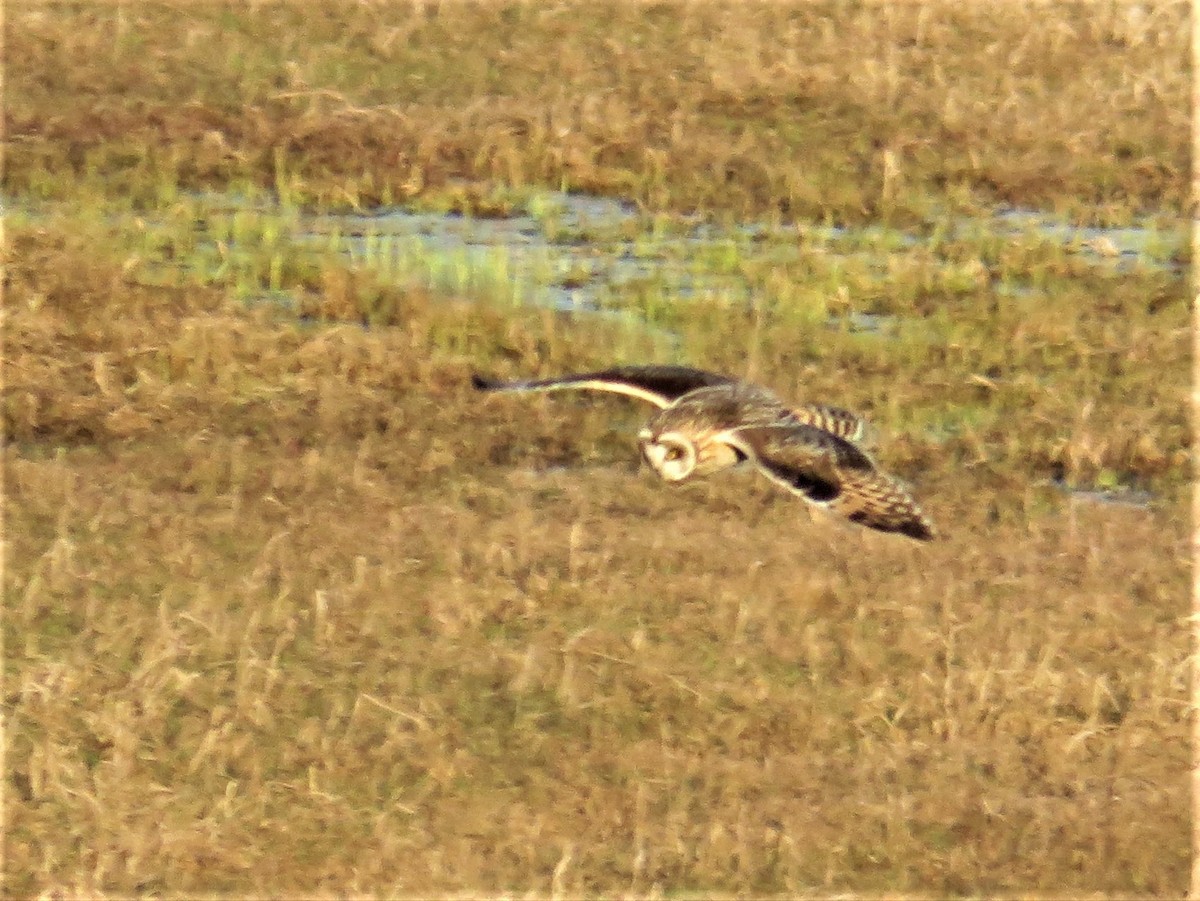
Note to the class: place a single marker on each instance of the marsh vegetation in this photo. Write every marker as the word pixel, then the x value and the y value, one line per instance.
pixel 289 609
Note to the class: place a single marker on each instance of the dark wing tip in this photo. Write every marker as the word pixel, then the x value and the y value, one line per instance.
pixel 914 525
pixel 918 529
pixel 479 383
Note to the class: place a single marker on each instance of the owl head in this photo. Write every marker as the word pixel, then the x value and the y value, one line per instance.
pixel 678 454
pixel 672 454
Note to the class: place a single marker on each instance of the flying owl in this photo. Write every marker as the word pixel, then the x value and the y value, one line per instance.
pixel 707 422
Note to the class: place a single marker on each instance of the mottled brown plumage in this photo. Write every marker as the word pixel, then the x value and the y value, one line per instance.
pixel 707 422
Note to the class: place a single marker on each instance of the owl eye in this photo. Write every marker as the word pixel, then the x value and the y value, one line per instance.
pixel 674 452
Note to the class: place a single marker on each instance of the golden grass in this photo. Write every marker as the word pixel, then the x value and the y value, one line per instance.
pixel 294 611
pixel 290 610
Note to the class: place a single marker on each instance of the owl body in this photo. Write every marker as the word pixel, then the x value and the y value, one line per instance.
pixel 684 439
pixel 708 422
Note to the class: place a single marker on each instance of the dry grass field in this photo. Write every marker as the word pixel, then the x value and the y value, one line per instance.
pixel 289 610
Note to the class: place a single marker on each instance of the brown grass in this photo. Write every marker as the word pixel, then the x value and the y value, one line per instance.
pixel 850 111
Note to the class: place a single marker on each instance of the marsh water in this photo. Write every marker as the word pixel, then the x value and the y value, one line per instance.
pixel 598 256
pixel 577 252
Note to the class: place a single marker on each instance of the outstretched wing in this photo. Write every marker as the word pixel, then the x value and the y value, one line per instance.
pixel 831 472
pixel 660 385
pixel 834 420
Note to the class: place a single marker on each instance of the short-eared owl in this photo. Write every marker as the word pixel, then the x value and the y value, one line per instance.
pixel 708 422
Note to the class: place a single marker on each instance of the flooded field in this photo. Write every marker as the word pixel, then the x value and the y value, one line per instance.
pixel 600 259
pixel 572 252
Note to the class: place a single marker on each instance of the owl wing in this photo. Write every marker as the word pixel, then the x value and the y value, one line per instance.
pixel 829 471
pixel 834 420
pixel 660 385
